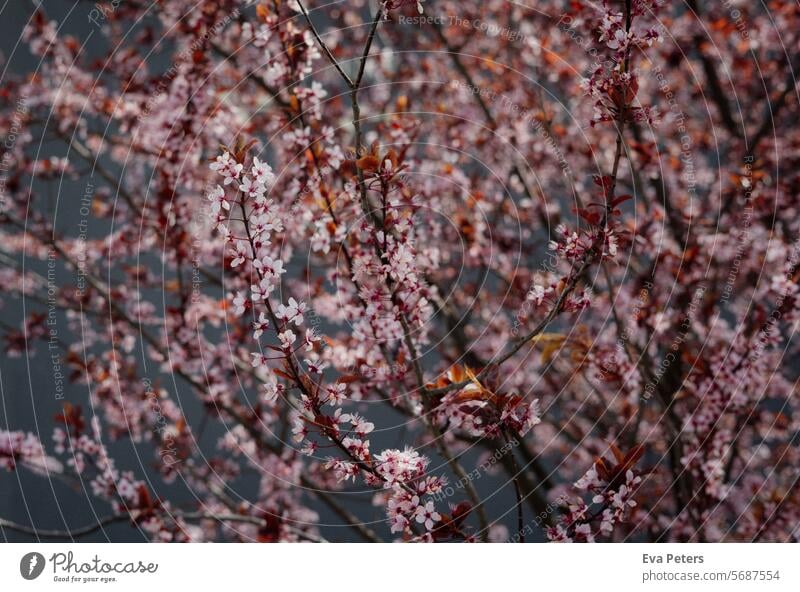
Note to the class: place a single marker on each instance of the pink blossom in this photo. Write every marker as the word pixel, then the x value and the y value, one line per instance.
pixel 287 338
pixel 226 166
pixel 292 312
pixel 260 325
pixel 427 515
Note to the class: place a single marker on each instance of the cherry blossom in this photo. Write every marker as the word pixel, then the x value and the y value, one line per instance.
pixel 226 166
pixel 501 272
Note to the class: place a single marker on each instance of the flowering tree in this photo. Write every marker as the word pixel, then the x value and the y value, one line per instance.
pixel 514 272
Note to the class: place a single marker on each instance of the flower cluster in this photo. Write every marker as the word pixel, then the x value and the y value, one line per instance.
pixel 307 264
pixel 404 472
pixel 613 488
pixel 614 84
pixel 26 449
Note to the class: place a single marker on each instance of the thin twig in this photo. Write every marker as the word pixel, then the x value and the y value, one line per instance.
pixel 325 49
